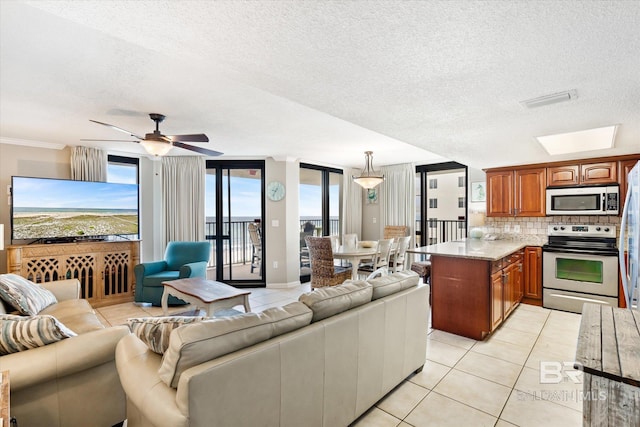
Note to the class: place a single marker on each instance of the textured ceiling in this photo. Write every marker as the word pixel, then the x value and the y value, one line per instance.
pixel 323 81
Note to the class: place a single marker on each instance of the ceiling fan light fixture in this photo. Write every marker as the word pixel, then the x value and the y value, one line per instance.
pixel 368 179
pixel 156 147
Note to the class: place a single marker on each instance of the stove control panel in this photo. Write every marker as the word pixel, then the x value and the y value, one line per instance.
pixel 582 230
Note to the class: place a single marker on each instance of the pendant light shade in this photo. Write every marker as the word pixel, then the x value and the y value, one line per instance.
pixel 156 148
pixel 368 178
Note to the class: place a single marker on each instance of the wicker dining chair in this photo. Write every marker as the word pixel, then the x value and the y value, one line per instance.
pixel 323 271
pixel 394 231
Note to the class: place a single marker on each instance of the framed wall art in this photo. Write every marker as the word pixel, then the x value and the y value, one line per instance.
pixel 479 191
pixel 372 195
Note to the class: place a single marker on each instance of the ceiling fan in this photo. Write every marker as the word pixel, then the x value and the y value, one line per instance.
pixel 158 144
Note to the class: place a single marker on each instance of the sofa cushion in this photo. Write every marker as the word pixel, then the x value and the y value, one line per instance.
pixel 196 343
pixel 25 296
pixel 155 331
pixel 331 300
pixel 76 314
pixel 392 283
pixel 19 333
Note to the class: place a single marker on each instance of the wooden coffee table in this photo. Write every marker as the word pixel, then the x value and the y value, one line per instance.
pixel 207 294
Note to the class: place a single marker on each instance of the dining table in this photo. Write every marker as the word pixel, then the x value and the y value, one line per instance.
pixel 354 255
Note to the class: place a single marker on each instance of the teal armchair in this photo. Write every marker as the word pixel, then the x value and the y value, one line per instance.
pixel 181 260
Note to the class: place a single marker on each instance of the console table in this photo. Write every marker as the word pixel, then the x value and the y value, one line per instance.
pixel 609 354
pixel 104 269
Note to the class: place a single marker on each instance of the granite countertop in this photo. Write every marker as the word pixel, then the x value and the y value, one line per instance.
pixel 490 250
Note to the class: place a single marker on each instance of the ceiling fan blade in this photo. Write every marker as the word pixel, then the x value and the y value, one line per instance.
pixel 117 128
pixel 110 140
pixel 196 137
pixel 196 149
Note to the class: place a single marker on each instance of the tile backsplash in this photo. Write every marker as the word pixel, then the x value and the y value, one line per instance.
pixel 534 229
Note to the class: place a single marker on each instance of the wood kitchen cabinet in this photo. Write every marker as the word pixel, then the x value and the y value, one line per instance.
pixel 519 192
pixel 625 168
pixel 497 304
pixel 583 174
pixel 472 297
pixel 512 282
pixel 532 277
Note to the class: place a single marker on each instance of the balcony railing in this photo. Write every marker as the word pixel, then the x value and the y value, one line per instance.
pixel 441 231
pixel 238 250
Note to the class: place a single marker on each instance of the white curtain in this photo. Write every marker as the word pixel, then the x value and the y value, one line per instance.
pixel 398 197
pixel 351 205
pixel 88 164
pixel 183 194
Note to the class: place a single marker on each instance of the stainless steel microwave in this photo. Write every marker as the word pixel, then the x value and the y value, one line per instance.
pixel 583 200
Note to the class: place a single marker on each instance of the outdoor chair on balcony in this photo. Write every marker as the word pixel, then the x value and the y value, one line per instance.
pixel 380 263
pixel 181 260
pixel 323 271
pixel 256 246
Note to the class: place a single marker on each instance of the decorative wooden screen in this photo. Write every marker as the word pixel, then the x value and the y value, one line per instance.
pixel 83 268
pixel 104 269
pixel 42 269
pixel 116 274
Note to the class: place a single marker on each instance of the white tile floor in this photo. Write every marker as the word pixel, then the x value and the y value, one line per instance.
pixel 496 382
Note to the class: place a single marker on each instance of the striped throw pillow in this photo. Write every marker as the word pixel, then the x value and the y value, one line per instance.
pixel 155 331
pixel 25 296
pixel 19 333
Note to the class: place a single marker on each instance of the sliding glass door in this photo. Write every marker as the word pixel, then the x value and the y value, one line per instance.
pixel 441 205
pixel 234 212
pixel 319 206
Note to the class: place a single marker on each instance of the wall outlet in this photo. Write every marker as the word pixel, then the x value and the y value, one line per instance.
pixel 516 228
pixel 275 223
pixel 275 264
pixel 374 220
pixel 507 228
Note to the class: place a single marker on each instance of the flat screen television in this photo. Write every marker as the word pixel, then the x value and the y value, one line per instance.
pixel 66 210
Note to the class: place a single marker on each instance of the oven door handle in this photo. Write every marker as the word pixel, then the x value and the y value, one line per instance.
pixel 581 251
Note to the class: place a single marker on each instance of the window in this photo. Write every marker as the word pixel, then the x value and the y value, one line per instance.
pixel 461 202
pixel 433 183
pixel 461 181
pixel 122 170
pixel 433 203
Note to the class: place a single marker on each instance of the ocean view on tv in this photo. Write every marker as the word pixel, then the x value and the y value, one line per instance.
pixel 52 208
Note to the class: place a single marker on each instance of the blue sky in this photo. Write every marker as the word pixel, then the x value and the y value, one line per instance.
pixel 246 198
pixel 55 193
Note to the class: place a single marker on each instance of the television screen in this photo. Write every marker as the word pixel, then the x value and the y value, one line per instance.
pixel 45 208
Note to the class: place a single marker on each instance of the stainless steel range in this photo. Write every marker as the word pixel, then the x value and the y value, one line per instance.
pixel 579 265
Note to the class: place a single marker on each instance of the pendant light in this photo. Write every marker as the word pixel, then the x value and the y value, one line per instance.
pixel 368 178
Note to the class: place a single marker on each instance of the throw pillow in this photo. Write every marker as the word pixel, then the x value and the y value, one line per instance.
pixel 155 331
pixel 19 333
pixel 25 296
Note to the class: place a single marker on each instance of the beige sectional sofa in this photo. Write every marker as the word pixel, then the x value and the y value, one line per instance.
pixel 72 382
pixel 321 361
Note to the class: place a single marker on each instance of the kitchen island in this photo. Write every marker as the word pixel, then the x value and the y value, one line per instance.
pixel 475 284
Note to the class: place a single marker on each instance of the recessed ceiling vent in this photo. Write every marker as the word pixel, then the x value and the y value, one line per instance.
pixel 553 98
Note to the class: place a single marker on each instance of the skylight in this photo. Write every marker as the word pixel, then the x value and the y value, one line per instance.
pixel 574 142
